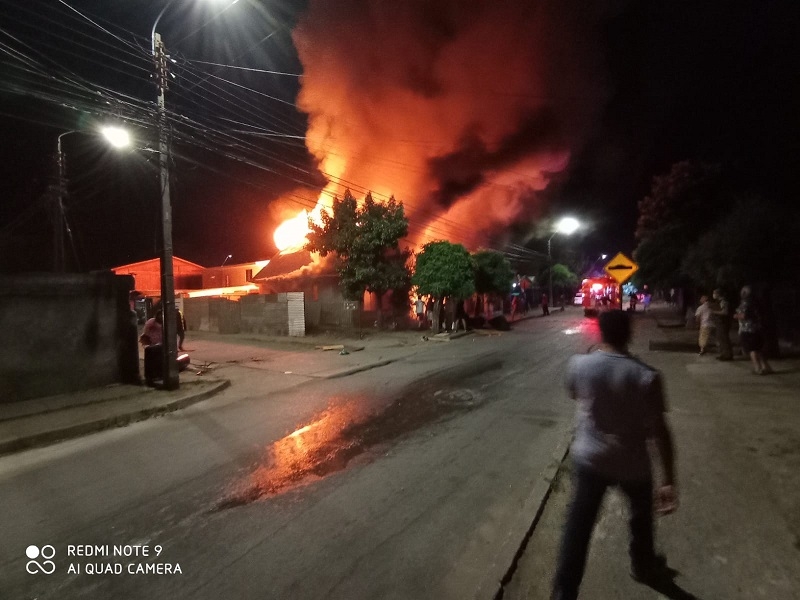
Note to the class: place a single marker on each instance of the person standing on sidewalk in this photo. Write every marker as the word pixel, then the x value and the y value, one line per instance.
pixel 703 315
pixel 722 315
pixel 180 325
pixel 620 407
pixel 419 309
pixel 153 330
pixel 751 332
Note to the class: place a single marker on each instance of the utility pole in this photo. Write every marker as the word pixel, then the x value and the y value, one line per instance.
pixel 58 210
pixel 170 340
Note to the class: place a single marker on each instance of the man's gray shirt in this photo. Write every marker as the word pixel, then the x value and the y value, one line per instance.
pixel 620 399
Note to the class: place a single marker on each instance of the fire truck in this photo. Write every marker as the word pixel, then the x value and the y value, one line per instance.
pixel 598 294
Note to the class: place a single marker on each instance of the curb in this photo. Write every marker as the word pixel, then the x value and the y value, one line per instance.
pixel 493 584
pixel 46 438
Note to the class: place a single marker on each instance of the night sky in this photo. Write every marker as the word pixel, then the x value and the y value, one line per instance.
pixel 488 120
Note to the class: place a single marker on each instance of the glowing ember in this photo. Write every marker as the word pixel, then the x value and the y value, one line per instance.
pixel 292 232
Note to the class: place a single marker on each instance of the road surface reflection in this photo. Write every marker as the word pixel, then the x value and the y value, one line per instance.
pixel 332 438
pixel 587 328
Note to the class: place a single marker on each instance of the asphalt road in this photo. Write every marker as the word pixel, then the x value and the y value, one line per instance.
pixel 412 480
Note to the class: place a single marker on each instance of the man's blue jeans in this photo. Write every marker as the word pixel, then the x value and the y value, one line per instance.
pixel 589 488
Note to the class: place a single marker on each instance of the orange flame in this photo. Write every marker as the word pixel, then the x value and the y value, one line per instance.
pixel 292 232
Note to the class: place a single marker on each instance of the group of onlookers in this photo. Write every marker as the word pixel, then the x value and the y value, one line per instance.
pixel 452 314
pixel 714 314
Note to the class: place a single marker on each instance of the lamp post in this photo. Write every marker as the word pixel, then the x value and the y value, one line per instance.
pixel 592 270
pixel 567 226
pixel 115 136
pixel 227 258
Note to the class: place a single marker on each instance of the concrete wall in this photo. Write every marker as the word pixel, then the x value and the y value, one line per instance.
pixel 220 315
pixel 65 332
pixel 265 313
pixel 325 307
pixel 272 314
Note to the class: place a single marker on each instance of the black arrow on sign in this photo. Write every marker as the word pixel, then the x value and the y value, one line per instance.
pixel 619 268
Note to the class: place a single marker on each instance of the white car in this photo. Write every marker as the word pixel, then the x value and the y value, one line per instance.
pixel 578 300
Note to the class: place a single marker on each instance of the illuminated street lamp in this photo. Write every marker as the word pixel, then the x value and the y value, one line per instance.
pixel 567 226
pixel 118 138
pixel 592 271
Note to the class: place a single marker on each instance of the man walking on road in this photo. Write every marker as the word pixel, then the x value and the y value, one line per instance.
pixel 620 407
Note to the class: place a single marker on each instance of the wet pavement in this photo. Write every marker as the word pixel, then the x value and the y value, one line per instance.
pixel 419 480
pixel 344 431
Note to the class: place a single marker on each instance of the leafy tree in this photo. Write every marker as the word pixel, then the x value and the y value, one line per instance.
pixel 691 196
pixel 756 243
pixel 444 270
pixel 365 240
pixel 681 206
pixel 563 278
pixel 493 273
pixel 659 257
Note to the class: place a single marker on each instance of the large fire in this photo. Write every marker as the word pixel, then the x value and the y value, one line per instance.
pixel 292 232
pixel 466 126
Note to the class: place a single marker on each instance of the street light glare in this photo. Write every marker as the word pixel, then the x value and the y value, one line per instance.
pixel 116 136
pixel 567 225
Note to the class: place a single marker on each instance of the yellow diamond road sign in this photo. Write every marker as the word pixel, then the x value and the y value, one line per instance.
pixel 621 267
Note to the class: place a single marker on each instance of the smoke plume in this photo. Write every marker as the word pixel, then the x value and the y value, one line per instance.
pixel 462 109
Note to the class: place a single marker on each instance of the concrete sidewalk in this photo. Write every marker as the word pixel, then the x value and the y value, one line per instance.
pixel 43 421
pixel 736 534
pixel 38 422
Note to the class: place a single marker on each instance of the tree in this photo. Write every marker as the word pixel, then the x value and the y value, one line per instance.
pixel 493 273
pixel 681 206
pixel 563 277
pixel 659 257
pixel 756 243
pixel 366 241
pixel 444 270
pixel 691 196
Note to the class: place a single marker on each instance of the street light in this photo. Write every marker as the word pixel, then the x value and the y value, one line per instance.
pixel 118 138
pixel 591 272
pixel 567 226
pixel 227 258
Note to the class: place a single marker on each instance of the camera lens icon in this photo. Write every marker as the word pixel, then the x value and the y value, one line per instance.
pixel 46 566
